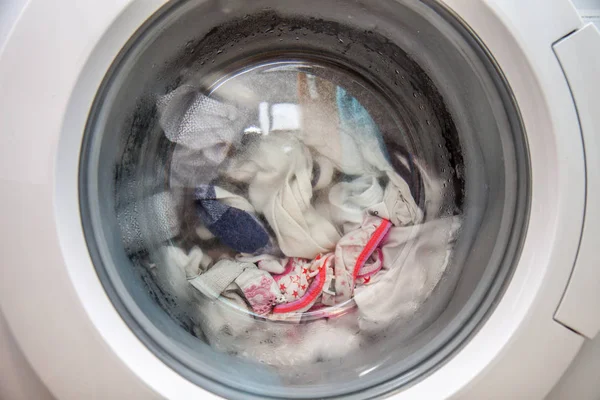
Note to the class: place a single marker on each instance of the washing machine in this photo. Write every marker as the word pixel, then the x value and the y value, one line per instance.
pixel 477 119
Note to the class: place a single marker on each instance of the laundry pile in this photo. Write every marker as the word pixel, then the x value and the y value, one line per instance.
pixel 319 225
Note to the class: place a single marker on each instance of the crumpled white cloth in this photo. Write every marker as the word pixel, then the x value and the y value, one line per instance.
pixel 278 170
pixel 174 267
pixel 414 260
pixel 346 202
pixel 266 262
pixel 397 205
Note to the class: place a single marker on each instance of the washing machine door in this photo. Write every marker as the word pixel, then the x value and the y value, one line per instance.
pixel 169 166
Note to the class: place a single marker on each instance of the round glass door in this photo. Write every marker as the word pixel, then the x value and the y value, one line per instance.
pixel 306 200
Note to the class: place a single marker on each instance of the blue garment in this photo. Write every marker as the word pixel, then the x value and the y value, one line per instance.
pixel 355 119
pixel 236 228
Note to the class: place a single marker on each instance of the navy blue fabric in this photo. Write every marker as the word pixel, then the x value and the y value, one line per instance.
pixel 212 209
pixel 234 227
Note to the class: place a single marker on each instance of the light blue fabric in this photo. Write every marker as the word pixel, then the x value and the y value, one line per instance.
pixel 355 120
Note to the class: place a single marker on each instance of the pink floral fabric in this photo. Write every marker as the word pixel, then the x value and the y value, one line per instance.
pixel 318 267
pixel 260 290
pixel 260 296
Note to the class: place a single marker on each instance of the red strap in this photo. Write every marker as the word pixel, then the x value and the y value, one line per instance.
pixel 371 245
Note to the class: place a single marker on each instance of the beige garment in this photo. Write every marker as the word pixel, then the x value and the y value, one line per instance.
pixel 346 201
